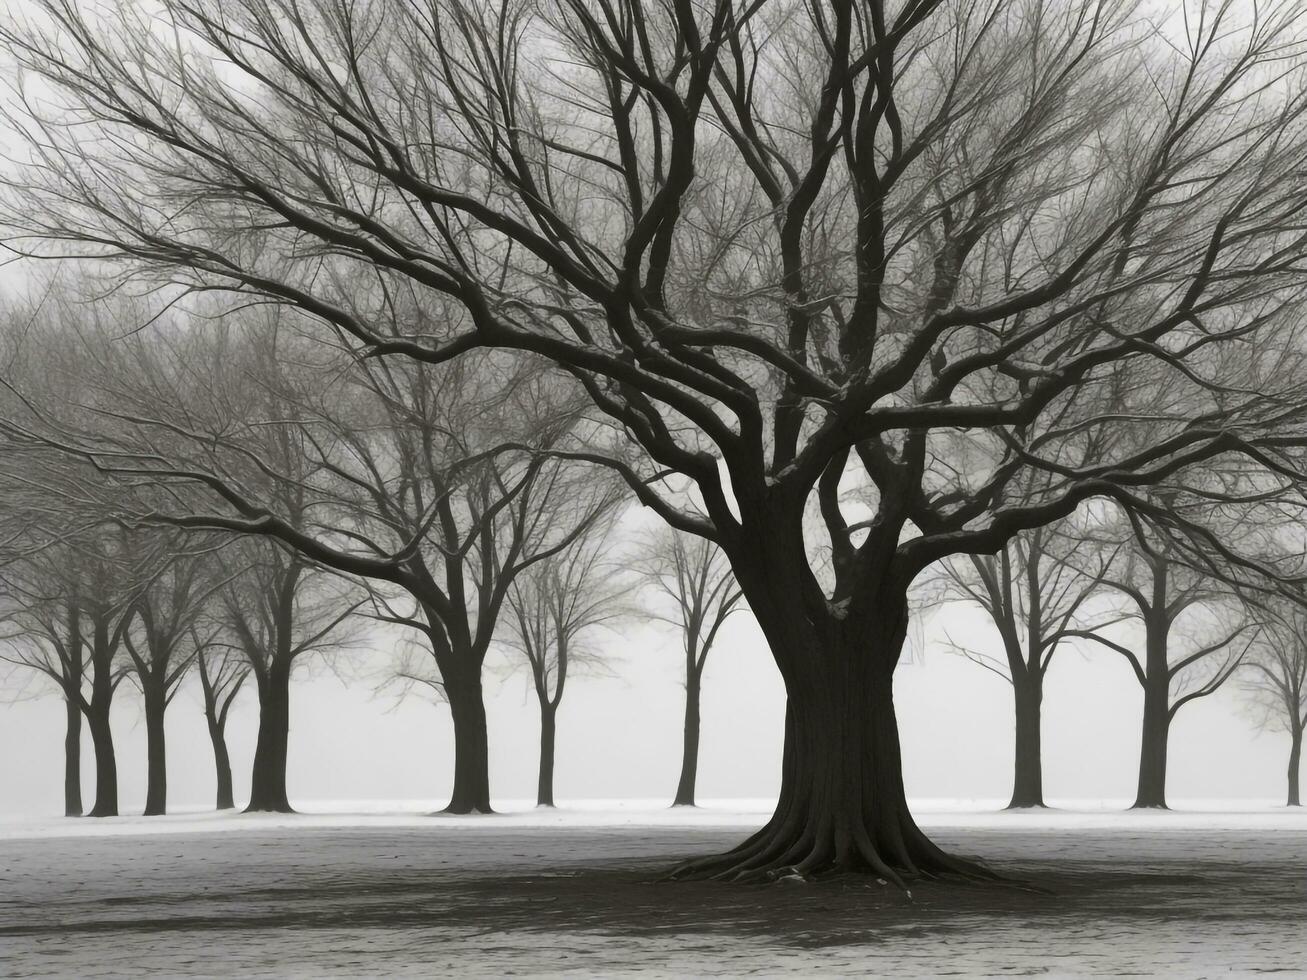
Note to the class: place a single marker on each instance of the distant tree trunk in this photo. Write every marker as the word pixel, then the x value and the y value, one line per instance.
pixel 1152 749
pixel 221 760
pixel 690 742
pixel 268 778
pixel 73 758
pixel 1157 702
pixel 471 792
pixel 156 785
pixel 106 767
pixel 103 685
pixel 548 727
pixel 1295 760
pixel 1028 773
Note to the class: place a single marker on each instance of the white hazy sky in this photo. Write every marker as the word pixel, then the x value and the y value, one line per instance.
pixel 619 736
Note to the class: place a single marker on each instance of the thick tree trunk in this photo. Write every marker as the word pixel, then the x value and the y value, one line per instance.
pixel 690 743
pixel 73 759
pixel 156 785
pixel 221 762
pixel 1028 768
pixel 106 766
pixel 471 792
pixel 1152 748
pixel 545 784
pixel 842 804
pixel 1295 761
pixel 268 776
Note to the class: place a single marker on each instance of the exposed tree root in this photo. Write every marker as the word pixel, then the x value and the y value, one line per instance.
pixel 819 849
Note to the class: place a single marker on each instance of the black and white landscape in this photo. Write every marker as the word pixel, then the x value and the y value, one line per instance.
pixel 671 487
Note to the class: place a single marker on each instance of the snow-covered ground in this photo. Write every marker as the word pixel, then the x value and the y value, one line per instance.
pixel 1211 888
pixel 744 813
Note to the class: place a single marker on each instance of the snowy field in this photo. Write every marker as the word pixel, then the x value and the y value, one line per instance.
pixel 1209 889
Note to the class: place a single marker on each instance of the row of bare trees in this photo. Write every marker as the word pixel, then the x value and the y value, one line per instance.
pixel 417 499
pixel 845 287
pixel 1081 580
pixel 97 606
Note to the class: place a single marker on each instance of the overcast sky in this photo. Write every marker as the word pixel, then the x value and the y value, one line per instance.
pixel 620 736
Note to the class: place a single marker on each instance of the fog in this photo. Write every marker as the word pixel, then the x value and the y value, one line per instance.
pixel 619 735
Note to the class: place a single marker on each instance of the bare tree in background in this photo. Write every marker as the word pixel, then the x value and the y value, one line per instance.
pixel 42 633
pixel 1196 634
pixel 107 589
pixel 554 610
pixel 437 474
pixel 1038 586
pixel 71 581
pixel 777 243
pixel 1274 677
pixel 223 670
pixel 277 609
pixel 695 575
pixel 159 642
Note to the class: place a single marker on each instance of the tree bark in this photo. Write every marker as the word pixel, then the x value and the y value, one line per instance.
pixel 1295 760
pixel 156 785
pixel 1153 745
pixel 268 777
pixel 685 788
pixel 106 766
pixel 73 758
pixel 1028 771
pixel 221 761
pixel 842 804
pixel 548 727
pixel 471 791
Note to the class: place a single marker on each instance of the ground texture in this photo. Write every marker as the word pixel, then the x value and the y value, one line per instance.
pixel 440 898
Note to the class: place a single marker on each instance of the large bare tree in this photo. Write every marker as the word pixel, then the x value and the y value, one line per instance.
pixel 780 244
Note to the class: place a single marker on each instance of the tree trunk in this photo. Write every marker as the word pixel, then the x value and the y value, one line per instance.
pixel 221 761
pixel 73 759
pixel 548 726
pixel 268 777
pixel 842 804
pixel 106 766
pixel 1152 748
pixel 1295 760
pixel 471 792
pixel 1028 769
pixel 690 742
pixel 156 785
